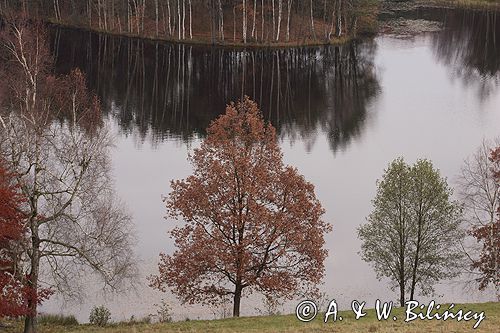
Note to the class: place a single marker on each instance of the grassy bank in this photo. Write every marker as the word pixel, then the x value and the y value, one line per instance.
pixel 291 325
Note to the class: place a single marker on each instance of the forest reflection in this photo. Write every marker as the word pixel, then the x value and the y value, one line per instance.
pixel 173 91
pixel 470 44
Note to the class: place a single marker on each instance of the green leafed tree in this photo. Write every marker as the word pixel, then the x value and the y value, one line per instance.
pixel 414 229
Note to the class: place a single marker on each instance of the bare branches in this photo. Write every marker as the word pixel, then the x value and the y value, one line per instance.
pixel 63 169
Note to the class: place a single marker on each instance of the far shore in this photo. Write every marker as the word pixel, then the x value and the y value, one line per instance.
pixel 229 43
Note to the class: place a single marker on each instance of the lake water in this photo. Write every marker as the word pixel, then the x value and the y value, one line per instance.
pixel 342 114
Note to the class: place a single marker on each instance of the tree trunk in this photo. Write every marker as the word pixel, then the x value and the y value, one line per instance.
pixel 143 12
pixel 332 25
pixel 179 18
pixel 237 300
pixel 263 18
pixel 274 19
pixel 325 19
pixel 221 20
pixel 183 19
pixel 169 18
pixel 401 294
pixel 417 258
pixel 99 13
pixel 312 21
pixel 288 21
pixel 234 22
pixel 157 17
pixel 280 11
pixel 254 18
pixel 89 13
pixel 244 21
pixel 190 20
pixel 339 19
pixel 30 319
pixel 105 17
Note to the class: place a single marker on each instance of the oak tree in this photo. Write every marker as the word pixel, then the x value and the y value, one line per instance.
pixel 251 224
pixel 413 231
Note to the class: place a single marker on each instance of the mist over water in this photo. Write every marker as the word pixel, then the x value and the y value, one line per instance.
pixel 342 114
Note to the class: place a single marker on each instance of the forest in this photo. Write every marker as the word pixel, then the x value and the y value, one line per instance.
pixel 211 21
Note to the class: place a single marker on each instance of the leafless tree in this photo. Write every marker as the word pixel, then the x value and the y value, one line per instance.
pixel 53 138
pixel 479 194
pixel 478 189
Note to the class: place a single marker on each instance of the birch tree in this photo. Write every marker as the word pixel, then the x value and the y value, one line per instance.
pixel 280 11
pixel 479 191
pixel 53 138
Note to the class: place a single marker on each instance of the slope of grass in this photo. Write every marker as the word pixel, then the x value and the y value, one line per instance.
pixel 290 324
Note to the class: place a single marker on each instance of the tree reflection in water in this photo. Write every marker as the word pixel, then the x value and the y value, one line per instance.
pixel 170 91
pixel 470 45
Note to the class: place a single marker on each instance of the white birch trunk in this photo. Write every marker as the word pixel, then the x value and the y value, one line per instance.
pixel 280 11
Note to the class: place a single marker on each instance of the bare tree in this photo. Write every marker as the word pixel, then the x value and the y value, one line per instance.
pixel 479 193
pixel 75 223
pixel 478 189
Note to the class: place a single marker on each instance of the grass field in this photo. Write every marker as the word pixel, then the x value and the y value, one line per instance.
pixel 290 324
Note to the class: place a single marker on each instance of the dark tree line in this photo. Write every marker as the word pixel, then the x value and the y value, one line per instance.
pixel 472 40
pixel 257 21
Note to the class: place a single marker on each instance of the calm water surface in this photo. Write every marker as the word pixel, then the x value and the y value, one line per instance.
pixel 342 113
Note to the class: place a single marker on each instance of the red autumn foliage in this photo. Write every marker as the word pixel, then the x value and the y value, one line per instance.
pixel 252 224
pixel 12 232
pixel 488 263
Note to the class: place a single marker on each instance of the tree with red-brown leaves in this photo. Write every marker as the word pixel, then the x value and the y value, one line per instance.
pixel 12 233
pixel 252 224
pixel 488 263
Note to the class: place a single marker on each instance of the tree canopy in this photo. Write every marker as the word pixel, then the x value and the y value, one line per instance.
pixel 414 229
pixel 251 224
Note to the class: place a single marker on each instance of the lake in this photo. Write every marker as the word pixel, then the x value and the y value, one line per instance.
pixel 342 114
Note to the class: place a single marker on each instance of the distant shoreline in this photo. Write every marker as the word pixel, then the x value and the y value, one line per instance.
pixel 202 42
